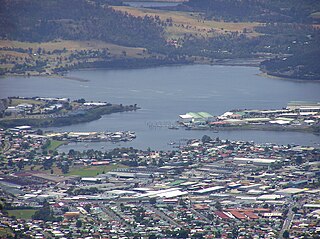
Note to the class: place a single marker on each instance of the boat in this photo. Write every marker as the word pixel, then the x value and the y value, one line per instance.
pixel 173 127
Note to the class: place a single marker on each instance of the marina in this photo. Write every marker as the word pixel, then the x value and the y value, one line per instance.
pixel 120 136
pixel 297 116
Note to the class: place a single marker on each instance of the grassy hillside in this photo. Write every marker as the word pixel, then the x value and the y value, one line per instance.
pixel 181 23
pixel 62 53
pixel 41 21
pixel 46 37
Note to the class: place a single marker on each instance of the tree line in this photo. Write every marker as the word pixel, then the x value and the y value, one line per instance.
pixel 256 10
pixel 41 21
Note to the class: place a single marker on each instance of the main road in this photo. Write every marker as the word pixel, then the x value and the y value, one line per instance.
pixel 288 221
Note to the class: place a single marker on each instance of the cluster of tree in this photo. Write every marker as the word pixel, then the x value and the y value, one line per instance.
pixel 255 10
pixel 219 47
pixel 85 54
pixel 17 49
pixel 275 38
pixel 38 21
pixel 3 106
pixel 70 117
pixel 46 214
pixel 301 66
pixel 287 29
pixel 125 62
pixel 37 66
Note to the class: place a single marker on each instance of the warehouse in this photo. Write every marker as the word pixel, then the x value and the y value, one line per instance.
pixel 255 161
pixel 209 190
pixel 193 117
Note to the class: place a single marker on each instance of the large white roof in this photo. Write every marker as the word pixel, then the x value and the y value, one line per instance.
pixel 211 189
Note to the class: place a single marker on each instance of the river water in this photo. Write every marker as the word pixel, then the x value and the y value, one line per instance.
pixel 147 4
pixel 165 92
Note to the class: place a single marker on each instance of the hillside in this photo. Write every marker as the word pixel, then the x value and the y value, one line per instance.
pixel 298 11
pixel 40 21
pixel 304 66
pixel 48 37
pixel 178 24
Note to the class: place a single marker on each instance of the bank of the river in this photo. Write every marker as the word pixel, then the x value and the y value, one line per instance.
pixel 165 92
pixel 271 76
pixel 290 77
pixel 278 128
pixel 76 118
pixel 123 65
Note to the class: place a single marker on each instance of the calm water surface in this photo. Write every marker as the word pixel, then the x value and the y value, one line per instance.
pixel 151 4
pixel 165 92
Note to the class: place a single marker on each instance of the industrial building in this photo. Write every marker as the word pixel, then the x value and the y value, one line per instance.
pixel 196 117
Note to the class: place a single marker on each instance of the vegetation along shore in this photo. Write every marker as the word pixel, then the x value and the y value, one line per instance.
pixel 47 112
pixel 206 32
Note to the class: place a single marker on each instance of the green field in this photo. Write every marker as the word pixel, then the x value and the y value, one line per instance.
pixel 90 171
pixel 54 144
pixel 22 213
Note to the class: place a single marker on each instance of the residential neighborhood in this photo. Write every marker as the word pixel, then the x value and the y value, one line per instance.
pixel 209 188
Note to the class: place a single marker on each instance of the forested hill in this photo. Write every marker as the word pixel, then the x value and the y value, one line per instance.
pixel 39 21
pixel 304 66
pixel 299 11
pixel 46 32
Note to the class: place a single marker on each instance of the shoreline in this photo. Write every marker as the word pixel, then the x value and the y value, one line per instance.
pixel 265 74
pixel 88 116
pixel 218 62
pixel 252 62
pixel 261 128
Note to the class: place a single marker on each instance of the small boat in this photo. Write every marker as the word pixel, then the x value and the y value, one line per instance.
pixel 173 127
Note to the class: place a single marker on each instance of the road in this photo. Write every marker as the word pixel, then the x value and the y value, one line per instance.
pixel 114 216
pixel 287 222
pixel 163 216
pixel 200 215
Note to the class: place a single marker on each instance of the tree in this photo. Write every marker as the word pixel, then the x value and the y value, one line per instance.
pixel 87 207
pixel 286 234
pixel 160 162
pixel 47 163
pixel 20 164
pixel 299 160
pixel 65 168
pixel 153 200
pixel 79 223
pixel 205 139
pixel 44 213
pixel 235 232
pixel 218 206
pixel 182 233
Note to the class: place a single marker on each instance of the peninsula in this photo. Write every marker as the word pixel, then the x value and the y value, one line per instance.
pixel 46 112
pixel 297 116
